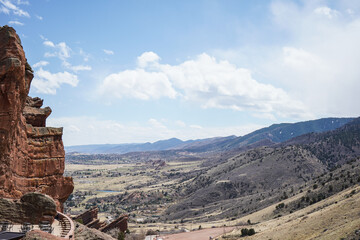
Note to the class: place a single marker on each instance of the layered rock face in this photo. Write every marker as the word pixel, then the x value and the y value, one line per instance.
pixel 90 219
pixel 32 157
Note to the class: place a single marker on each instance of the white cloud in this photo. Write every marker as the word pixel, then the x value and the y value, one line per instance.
pixel 41 64
pixel 147 58
pixel 90 130
pixel 16 23
pixel 39 17
pixel 80 68
pixel 49 43
pixel 4 10
pixel 19 2
pixel 62 51
pixel 8 6
pixel 108 52
pixel 137 84
pixel 204 80
pixel 77 67
pixel 299 58
pixel 319 62
pixel 47 82
pixel 326 11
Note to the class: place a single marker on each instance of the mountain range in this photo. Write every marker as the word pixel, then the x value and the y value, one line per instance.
pixel 274 134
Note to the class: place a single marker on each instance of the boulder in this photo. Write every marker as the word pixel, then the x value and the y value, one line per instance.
pixel 31 207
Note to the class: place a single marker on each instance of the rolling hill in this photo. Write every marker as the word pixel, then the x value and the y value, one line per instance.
pixel 259 177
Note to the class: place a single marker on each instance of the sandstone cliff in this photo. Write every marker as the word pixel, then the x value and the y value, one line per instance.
pixel 32 155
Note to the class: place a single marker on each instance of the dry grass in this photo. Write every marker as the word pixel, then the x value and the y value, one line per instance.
pixel 333 218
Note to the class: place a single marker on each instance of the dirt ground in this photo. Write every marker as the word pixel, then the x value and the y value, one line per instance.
pixel 203 234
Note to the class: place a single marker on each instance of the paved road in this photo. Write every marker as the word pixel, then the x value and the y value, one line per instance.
pixel 203 234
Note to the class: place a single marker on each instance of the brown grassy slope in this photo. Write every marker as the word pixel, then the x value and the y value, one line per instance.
pixel 245 183
pixel 336 217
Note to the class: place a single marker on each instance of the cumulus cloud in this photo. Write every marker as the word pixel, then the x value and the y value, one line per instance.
pixel 138 84
pixel 8 7
pixel 147 58
pixel 204 80
pixel 39 17
pixel 91 130
pixel 319 62
pixel 108 52
pixel 47 82
pixel 16 23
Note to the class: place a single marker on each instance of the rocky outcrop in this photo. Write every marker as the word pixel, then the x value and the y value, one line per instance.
pixel 90 219
pixel 31 207
pixel 119 223
pixel 84 233
pixel 31 154
pixel 34 114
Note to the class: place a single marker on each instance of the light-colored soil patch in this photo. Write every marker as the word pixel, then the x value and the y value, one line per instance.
pixel 203 234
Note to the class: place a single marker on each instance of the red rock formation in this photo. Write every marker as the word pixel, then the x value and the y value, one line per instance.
pixel 90 219
pixel 32 156
pixel 120 223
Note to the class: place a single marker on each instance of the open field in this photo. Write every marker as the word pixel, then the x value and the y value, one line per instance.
pixel 144 188
pixel 203 234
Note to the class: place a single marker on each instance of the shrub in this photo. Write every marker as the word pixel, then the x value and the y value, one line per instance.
pixel 150 232
pixel 247 232
pixel 251 232
pixel 280 205
pixel 121 236
pixel 244 231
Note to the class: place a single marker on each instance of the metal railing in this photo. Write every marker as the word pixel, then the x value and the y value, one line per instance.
pixel 67 226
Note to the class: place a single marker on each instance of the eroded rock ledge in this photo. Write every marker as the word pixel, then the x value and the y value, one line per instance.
pixel 32 157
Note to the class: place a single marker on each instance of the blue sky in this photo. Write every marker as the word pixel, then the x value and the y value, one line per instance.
pixel 137 71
